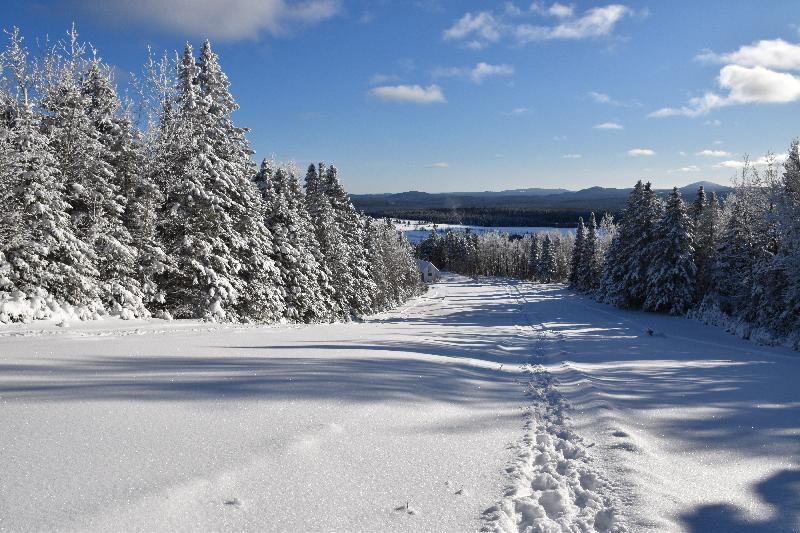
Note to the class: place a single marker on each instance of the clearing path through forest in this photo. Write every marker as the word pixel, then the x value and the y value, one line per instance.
pixel 488 404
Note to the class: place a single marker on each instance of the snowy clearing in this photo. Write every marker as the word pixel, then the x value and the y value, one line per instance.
pixel 491 404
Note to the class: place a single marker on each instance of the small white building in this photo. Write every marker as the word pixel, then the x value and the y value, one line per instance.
pixel 428 272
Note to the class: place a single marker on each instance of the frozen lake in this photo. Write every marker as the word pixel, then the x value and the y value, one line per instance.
pixel 416 231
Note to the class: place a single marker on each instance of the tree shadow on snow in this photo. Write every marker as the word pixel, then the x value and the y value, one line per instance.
pixel 781 491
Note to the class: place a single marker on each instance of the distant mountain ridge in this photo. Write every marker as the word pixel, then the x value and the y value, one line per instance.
pixel 514 207
pixel 591 198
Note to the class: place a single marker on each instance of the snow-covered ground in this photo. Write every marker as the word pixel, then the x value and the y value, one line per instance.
pixel 488 404
pixel 416 231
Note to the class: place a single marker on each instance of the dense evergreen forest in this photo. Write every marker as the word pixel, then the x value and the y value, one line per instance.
pixel 153 205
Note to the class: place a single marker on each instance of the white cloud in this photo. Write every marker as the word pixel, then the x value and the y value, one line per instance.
pixel 603 98
pixel 478 30
pixel 775 54
pixel 377 79
pixel 415 94
pixel 690 168
pixel 231 20
pixel 476 74
pixel 596 22
pixel 561 11
pixel 609 126
pixel 483 26
pixel 441 164
pixel 713 153
pixel 750 78
pixel 639 152
pixel 760 162
pixel 572 156
pixel 518 111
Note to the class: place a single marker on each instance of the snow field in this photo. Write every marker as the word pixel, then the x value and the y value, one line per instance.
pixel 487 403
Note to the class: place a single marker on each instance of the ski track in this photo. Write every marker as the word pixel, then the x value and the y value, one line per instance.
pixel 553 485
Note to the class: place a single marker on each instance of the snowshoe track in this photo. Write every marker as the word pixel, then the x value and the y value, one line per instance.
pixel 553 486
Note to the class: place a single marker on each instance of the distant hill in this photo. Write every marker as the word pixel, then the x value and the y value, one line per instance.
pixel 516 207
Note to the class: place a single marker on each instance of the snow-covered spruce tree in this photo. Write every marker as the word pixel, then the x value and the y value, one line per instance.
pixel 212 222
pixel 392 265
pixel 547 260
pixel 590 269
pixel 646 218
pixel 78 105
pixel 37 238
pixel 707 235
pixel 671 272
pixel 787 322
pixel 698 206
pixel 744 244
pixel 356 284
pixel 332 245
pixel 578 256
pixel 120 263
pixel 772 280
pixel 615 262
pixel 297 265
pixel 534 257
pixel 626 264
pixel 307 241
pixel 40 247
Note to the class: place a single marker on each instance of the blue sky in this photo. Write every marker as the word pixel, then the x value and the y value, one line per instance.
pixel 475 95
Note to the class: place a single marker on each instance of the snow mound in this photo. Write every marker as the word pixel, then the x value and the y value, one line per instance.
pixel 553 486
pixel 16 306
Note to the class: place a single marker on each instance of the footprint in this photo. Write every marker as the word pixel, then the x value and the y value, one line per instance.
pixel 233 502
pixel 620 433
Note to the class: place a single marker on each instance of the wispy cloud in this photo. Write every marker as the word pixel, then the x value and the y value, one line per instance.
pixel 233 20
pixel 378 79
pixel 690 168
pixel 713 153
pixel 755 74
pixel 440 164
pixel 476 74
pixel 603 98
pixel 572 156
pixel 609 126
pixel 760 162
pixel 415 94
pixel 480 29
pixel 641 152
pixel 517 111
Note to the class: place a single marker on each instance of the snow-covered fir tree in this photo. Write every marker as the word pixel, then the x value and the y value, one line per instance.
pixel 533 257
pixel 707 235
pixel 332 245
pixel 213 218
pixel 354 283
pixel 590 269
pixel 671 272
pixel 303 297
pixel 547 260
pixel 40 248
pixel 578 256
pixel 123 284
pixel 41 251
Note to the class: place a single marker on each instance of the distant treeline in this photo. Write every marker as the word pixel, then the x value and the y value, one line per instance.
pixel 485 216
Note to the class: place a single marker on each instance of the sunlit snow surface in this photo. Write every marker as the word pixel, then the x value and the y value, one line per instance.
pixel 414 420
